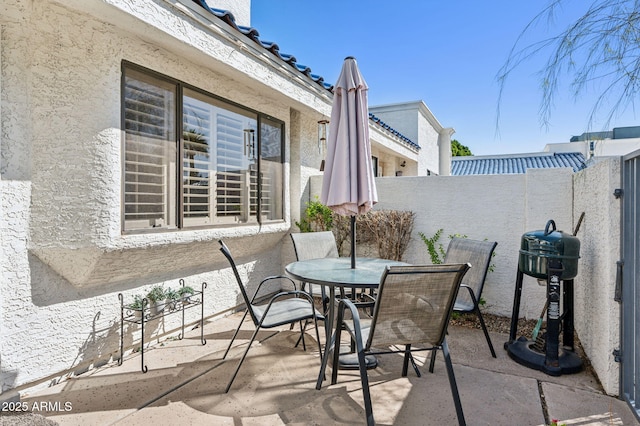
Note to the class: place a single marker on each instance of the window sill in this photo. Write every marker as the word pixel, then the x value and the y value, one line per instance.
pixel 154 256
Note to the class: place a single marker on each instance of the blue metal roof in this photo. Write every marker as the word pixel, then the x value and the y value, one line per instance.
pixel 272 47
pixel 515 164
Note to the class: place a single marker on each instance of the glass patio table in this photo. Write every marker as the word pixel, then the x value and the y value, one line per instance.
pixel 337 273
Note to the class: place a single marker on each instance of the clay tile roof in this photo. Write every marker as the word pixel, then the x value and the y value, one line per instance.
pixel 272 47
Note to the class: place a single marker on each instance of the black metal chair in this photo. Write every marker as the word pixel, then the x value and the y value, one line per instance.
pixel 478 254
pixel 315 245
pixel 412 309
pixel 285 307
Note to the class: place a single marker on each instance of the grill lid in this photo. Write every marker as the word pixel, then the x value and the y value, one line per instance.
pixel 538 246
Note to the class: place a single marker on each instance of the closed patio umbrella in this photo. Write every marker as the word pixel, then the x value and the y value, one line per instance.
pixel 348 185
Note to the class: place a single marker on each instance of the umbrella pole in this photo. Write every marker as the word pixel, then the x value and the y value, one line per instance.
pixel 353 242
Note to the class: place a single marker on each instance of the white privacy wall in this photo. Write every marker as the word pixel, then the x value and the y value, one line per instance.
pixel 498 207
pixel 597 314
pixel 503 207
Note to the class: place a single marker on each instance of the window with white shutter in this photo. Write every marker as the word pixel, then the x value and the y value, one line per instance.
pixel 231 158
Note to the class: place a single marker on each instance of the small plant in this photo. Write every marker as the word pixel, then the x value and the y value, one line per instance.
pixel 554 422
pixel 185 292
pixel 171 294
pixel 436 250
pixel 171 297
pixel 157 294
pixel 137 304
pixel 455 315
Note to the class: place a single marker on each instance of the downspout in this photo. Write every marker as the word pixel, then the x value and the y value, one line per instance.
pixel 444 147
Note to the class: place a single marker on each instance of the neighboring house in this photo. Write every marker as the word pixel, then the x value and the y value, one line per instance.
pixel 418 124
pixel 134 136
pixel 514 163
pixel 619 141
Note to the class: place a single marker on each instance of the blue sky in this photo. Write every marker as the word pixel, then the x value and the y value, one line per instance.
pixel 446 53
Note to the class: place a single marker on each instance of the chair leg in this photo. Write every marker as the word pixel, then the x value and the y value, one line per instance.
pixel 432 363
pixel 408 357
pixel 302 287
pixel 302 329
pixel 486 333
pixel 325 359
pixel 235 333
pixel 452 383
pixel 301 338
pixel 244 355
pixel 315 323
pixel 336 354
pixel 366 394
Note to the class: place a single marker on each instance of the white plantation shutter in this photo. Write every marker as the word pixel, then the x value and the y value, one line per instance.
pixel 216 161
pixel 197 158
pixel 149 153
pixel 231 179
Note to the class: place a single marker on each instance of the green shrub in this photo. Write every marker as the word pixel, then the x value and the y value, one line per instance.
pixel 317 217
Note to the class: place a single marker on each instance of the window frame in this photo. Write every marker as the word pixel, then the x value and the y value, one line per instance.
pixel 177 195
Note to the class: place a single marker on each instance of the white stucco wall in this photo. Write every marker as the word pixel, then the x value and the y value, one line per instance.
pixel 404 117
pixel 84 156
pixel 602 148
pixel 598 322
pixel 429 148
pixel 241 9
pixel 64 258
pixel 497 207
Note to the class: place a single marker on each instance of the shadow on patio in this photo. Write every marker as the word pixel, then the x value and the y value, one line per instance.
pixel 276 385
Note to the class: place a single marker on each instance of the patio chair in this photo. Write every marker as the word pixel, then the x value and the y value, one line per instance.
pixel 412 309
pixel 285 307
pixel 315 245
pixel 478 254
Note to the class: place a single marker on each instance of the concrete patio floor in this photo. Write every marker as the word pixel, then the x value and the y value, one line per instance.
pixel 276 385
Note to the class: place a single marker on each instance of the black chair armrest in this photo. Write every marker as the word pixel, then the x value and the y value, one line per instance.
pixel 471 293
pixel 274 277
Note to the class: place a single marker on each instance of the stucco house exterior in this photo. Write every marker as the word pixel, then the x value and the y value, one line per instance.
pixel 417 123
pixel 134 136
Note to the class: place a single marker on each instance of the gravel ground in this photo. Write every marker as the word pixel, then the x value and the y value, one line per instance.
pixel 494 323
pixel 500 324
pixel 25 419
